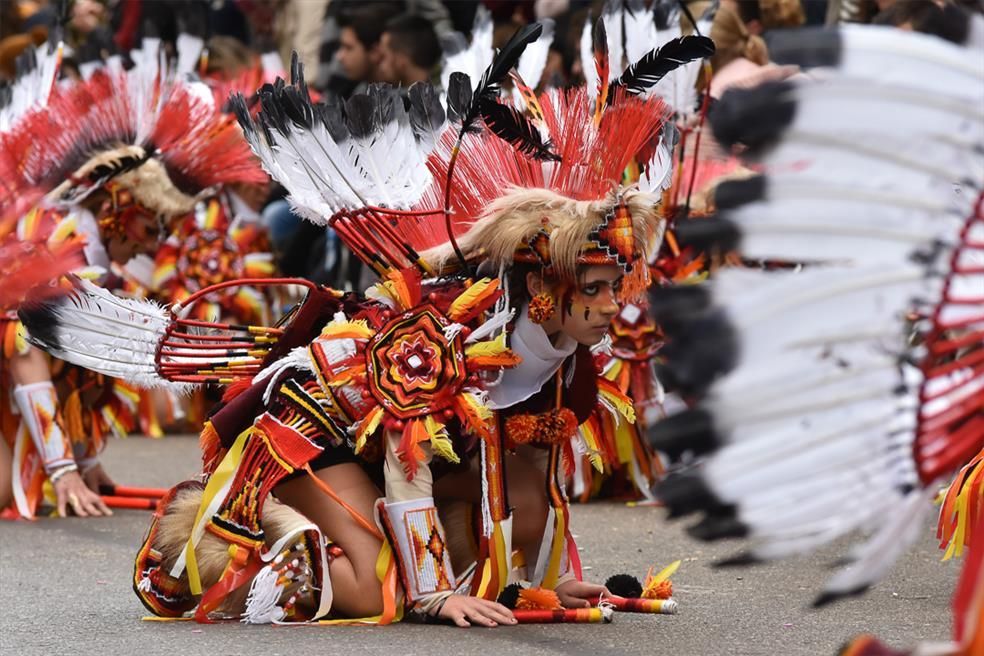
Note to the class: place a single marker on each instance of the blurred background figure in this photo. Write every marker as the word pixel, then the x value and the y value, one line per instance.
pixel 409 51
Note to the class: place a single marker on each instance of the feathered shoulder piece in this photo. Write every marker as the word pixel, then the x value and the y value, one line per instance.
pixel 147 132
pixel 838 396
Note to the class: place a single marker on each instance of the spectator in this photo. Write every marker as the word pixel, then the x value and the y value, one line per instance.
pixel 298 28
pixel 409 51
pixel 359 51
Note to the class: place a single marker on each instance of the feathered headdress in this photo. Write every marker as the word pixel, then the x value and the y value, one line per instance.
pixel 152 136
pixel 388 172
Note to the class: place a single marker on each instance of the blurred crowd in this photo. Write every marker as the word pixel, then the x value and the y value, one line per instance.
pixel 346 45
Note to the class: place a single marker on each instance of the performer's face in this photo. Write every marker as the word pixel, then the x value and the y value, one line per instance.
pixel 585 310
pixel 140 235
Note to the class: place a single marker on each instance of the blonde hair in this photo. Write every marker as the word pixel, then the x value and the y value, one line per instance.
pixel 732 40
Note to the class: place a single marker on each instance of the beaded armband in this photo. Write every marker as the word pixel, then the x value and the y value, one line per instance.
pixel 418 538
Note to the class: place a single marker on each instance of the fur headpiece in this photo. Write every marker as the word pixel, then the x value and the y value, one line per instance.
pixel 167 596
pixel 543 227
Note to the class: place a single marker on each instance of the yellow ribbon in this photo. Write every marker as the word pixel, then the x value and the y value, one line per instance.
pixel 223 473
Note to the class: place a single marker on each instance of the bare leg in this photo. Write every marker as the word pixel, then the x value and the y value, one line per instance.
pixel 354 584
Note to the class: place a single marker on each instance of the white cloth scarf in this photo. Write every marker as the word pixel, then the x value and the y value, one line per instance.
pixel 540 361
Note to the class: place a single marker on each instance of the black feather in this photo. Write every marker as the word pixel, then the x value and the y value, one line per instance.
pixel 712 233
pixel 503 62
pixel 719 525
pixel 359 112
pixel 732 194
pixel 426 111
pixel 655 64
pixel 686 493
pixel 387 105
pixel 332 117
pixel 756 117
pixel 41 322
pixel 297 107
pixel 808 47
pixel 459 96
pixel 297 75
pixel 237 105
pixel 689 431
pixel 511 126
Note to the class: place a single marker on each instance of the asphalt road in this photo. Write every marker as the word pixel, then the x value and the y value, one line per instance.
pixel 65 589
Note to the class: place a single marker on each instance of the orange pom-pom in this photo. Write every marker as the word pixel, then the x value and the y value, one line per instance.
pixel 541 307
pixel 548 428
pixel 538 599
pixel 662 590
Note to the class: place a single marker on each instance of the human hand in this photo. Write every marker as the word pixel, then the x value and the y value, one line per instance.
pixel 464 611
pixel 96 477
pixel 575 594
pixel 71 490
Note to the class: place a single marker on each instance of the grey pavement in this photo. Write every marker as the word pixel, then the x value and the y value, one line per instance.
pixel 65 589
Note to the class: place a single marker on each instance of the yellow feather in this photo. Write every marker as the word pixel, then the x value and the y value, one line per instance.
pixel 621 402
pixel 63 230
pixel 472 297
pixel 439 440
pixel 358 329
pixel 368 426
pixel 490 347
pixel 614 369
pixel 666 573
pixel 398 287
pixel 475 414
pixel 591 441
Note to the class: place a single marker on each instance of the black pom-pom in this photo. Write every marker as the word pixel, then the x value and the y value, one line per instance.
pixel 510 595
pixel 624 585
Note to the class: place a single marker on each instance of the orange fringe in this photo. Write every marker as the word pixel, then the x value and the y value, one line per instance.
pixel 538 599
pixel 553 427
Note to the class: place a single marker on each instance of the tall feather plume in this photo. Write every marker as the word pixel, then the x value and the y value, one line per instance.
pixel 509 124
pixel 504 61
pixel 462 57
pixel 653 66
pixel 640 30
pixel 488 90
pixel 611 16
pixel 587 59
pixel 531 64
pixel 602 65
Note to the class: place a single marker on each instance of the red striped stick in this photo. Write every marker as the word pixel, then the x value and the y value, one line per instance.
pixel 123 491
pixel 637 605
pixel 568 616
pixel 132 503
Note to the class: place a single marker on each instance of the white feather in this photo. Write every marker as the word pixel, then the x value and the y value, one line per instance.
pixel 534 59
pixel 114 336
pixel 189 50
pixel 587 59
